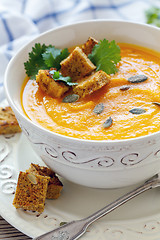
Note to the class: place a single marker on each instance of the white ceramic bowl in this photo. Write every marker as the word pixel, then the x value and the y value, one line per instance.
pixel 100 164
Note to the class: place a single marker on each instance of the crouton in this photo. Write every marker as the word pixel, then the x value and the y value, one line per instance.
pixel 54 186
pixel 77 65
pixel 91 83
pixel 49 85
pixel 88 46
pixel 8 121
pixel 31 192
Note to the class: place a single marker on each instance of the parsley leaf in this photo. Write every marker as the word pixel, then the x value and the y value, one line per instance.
pixel 153 16
pixel 57 76
pixel 105 55
pixel 44 57
pixel 35 61
pixel 53 56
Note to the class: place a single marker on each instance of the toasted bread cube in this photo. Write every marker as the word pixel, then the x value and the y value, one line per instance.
pixel 8 121
pixel 54 186
pixel 77 65
pixel 31 192
pixel 88 45
pixel 91 83
pixel 49 85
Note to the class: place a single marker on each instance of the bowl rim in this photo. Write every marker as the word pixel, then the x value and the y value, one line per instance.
pixel 67 138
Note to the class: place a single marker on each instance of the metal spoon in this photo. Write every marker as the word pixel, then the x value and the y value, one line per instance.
pixel 75 229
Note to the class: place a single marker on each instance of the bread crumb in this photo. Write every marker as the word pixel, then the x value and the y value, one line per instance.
pixel 91 83
pixel 77 65
pixel 31 196
pixel 54 185
pixel 88 45
pixel 8 121
pixel 49 85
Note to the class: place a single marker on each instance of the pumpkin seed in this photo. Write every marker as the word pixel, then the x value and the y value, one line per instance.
pixel 70 98
pixel 137 78
pixel 62 223
pixel 125 87
pixel 137 111
pixel 98 108
pixel 108 122
pixel 32 178
pixel 156 103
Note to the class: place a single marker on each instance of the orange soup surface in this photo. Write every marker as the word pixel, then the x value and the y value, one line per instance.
pixel 78 119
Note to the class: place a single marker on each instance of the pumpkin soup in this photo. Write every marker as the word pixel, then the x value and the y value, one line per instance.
pixel 126 106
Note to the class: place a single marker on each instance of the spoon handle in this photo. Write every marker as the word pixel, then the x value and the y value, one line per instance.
pixel 73 230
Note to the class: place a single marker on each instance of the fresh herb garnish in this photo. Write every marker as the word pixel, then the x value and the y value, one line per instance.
pixel 35 61
pixel 153 16
pixel 57 76
pixel 44 57
pixel 53 56
pixel 105 55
